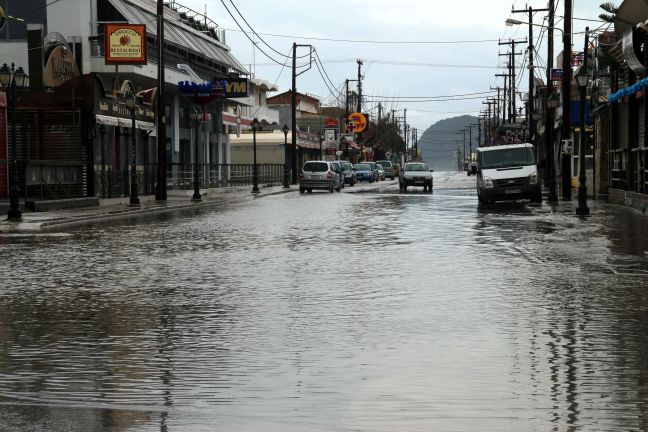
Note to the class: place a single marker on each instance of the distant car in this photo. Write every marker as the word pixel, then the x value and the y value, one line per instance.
pixel 374 168
pixel 416 174
pixel 381 172
pixel 388 167
pixel 364 172
pixel 320 175
pixel 349 174
pixel 471 168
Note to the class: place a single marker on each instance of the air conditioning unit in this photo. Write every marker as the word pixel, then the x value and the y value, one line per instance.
pixel 568 146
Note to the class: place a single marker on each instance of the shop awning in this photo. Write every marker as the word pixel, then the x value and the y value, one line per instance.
pixel 123 122
pixel 139 12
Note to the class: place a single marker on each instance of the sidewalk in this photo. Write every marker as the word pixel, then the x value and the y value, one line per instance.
pixel 115 209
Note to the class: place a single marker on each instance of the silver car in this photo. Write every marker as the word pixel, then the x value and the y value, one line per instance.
pixel 320 175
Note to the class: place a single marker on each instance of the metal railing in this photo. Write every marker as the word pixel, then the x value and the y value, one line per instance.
pixel 52 180
pixel 115 184
pixel 224 175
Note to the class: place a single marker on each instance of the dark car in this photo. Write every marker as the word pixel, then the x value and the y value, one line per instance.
pixel 349 174
pixel 388 168
pixel 364 172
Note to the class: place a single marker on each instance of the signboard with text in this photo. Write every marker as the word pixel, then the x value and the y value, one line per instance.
pixel 125 44
pixel 556 74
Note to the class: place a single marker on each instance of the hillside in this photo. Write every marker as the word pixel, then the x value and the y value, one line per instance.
pixel 440 142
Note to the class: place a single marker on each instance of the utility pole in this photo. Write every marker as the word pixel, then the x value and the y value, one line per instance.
pixel 161 189
pixel 550 160
pixel 566 97
pixel 405 131
pixel 531 125
pixel 504 117
pixel 359 86
pixel 293 105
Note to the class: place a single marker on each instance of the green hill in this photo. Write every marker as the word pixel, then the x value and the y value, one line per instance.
pixel 441 141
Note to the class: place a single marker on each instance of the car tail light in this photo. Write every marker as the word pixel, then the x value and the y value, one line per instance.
pixel 301 175
pixel 329 175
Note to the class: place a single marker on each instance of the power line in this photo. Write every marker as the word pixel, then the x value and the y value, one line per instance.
pixel 451 42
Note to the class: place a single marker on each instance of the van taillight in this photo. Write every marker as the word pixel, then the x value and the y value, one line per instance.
pixel 329 175
pixel 301 175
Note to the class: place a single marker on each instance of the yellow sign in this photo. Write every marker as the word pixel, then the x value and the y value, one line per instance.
pixel 61 67
pixel 359 121
pixel 125 44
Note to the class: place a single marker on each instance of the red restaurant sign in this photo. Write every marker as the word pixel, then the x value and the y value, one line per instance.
pixel 125 43
pixel 330 122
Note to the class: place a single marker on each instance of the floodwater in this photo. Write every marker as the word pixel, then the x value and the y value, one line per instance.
pixel 331 312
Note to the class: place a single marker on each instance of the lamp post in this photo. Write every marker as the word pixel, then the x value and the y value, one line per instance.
pixel 286 184
pixel 196 116
pixel 12 79
pixel 255 168
pixel 582 79
pixel 130 99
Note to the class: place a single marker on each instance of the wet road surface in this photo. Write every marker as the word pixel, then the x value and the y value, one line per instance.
pixel 370 311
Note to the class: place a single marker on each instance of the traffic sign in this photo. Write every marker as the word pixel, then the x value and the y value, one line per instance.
pixel 388 155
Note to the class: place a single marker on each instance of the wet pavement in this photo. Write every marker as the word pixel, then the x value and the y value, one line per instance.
pixel 366 310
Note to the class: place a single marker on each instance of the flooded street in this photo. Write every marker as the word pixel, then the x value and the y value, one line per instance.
pixel 373 311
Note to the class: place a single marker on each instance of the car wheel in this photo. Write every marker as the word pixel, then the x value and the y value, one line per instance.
pixel 537 198
pixel 309 190
pixel 331 188
pixel 352 183
pixel 392 178
pixel 404 188
pixel 338 189
pixel 302 190
pixel 371 180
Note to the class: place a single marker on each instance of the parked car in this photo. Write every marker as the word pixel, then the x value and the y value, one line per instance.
pixel 381 171
pixel 388 167
pixel 364 172
pixel 337 168
pixel 416 174
pixel 471 168
pixel 348 172
pixel 374 168
pixel 320 175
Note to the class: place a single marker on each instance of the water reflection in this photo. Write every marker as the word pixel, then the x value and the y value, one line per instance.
pixel 348 312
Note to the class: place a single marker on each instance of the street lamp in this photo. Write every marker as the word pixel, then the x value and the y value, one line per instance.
pixel 255 126
pixel 582 79
pixel 196 116
pixel 510 22
pixel 130 100
pixel 13 79
pixel 285 181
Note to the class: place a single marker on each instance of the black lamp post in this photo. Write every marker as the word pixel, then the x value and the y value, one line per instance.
pixel 129 98
pixel 552 104
pixel 12 79
pixel 196 116
pixel 582 79
pixel 285 181
pixel 255 168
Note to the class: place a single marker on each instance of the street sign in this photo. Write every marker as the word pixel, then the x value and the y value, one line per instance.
pixel 556 74
pixel 388 155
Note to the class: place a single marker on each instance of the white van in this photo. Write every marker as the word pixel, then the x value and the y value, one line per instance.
pixel 507 172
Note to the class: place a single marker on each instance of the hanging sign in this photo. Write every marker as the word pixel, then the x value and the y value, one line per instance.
pixel 3 19
pixel 125 44
pixel 359 122
pixel 556 74
pixel 60 67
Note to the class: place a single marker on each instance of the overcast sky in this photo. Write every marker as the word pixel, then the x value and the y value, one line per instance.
pixel 430 69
